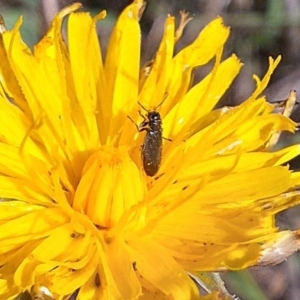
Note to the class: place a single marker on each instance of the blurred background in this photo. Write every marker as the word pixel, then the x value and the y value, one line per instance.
pixel 259 29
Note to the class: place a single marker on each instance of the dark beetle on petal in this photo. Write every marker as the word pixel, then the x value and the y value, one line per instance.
pixel 152 146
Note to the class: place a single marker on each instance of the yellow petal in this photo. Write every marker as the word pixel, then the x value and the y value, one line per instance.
pixel 163 272
pixel 122 61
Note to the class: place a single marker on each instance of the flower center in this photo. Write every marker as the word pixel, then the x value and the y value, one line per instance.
pixel 110 184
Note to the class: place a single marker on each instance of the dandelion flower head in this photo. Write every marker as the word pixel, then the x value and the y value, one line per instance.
pixel 81 214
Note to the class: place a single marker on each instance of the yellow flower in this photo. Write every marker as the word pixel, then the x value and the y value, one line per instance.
pixel 82 214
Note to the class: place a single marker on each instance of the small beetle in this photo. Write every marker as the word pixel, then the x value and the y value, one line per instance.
pixel 152 147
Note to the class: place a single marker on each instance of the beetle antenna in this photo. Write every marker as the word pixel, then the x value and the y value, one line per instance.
pixel 160 104
pixel 143 107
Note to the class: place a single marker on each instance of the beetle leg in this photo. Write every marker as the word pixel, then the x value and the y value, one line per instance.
pixel 136 125
pixel 144 127
pixel 143 116
pixel 167 139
